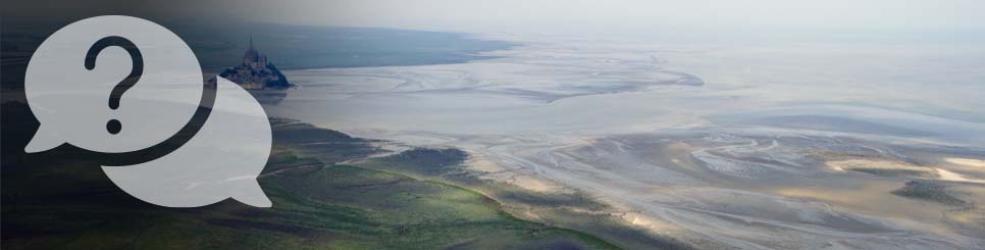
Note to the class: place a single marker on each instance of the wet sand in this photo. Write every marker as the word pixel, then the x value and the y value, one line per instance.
pixel 728 145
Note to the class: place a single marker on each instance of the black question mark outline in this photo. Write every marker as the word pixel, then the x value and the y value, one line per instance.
pixel 168 145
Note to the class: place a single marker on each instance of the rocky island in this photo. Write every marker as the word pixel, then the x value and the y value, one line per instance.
pixel 256 72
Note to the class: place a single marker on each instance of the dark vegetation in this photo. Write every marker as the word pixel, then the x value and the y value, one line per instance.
pixel 56 200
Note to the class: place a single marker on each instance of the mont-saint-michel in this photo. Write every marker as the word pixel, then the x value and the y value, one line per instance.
pixel 397 139
pixel 256 72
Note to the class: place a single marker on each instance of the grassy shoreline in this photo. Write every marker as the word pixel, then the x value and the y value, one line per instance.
pixel 62 202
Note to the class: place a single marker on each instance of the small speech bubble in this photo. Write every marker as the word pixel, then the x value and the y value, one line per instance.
pixel 118 84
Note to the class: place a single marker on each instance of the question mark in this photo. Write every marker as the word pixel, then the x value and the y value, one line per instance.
pixel 114 125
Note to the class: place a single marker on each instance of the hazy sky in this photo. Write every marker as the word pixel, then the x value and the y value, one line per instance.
pixel 633 14
pixel 560 15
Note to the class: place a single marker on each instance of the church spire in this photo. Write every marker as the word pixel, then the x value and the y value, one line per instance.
pixel 252 56
pixel 251 42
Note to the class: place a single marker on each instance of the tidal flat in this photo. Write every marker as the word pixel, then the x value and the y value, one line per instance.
pixel 749 145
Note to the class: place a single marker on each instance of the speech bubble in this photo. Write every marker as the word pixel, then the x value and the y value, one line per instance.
pixel 72 102
pixel 139 86
pixel 222 160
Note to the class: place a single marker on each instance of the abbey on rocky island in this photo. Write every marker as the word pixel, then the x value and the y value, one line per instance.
pixel 256 72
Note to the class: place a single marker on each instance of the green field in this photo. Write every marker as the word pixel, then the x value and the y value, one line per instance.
pixel 318 203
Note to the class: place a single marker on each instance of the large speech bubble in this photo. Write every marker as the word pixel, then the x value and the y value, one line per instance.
pixel 72 102
pixel 118 84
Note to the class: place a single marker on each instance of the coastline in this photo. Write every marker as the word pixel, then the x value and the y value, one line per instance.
pixel 567 210
pixel 672 173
